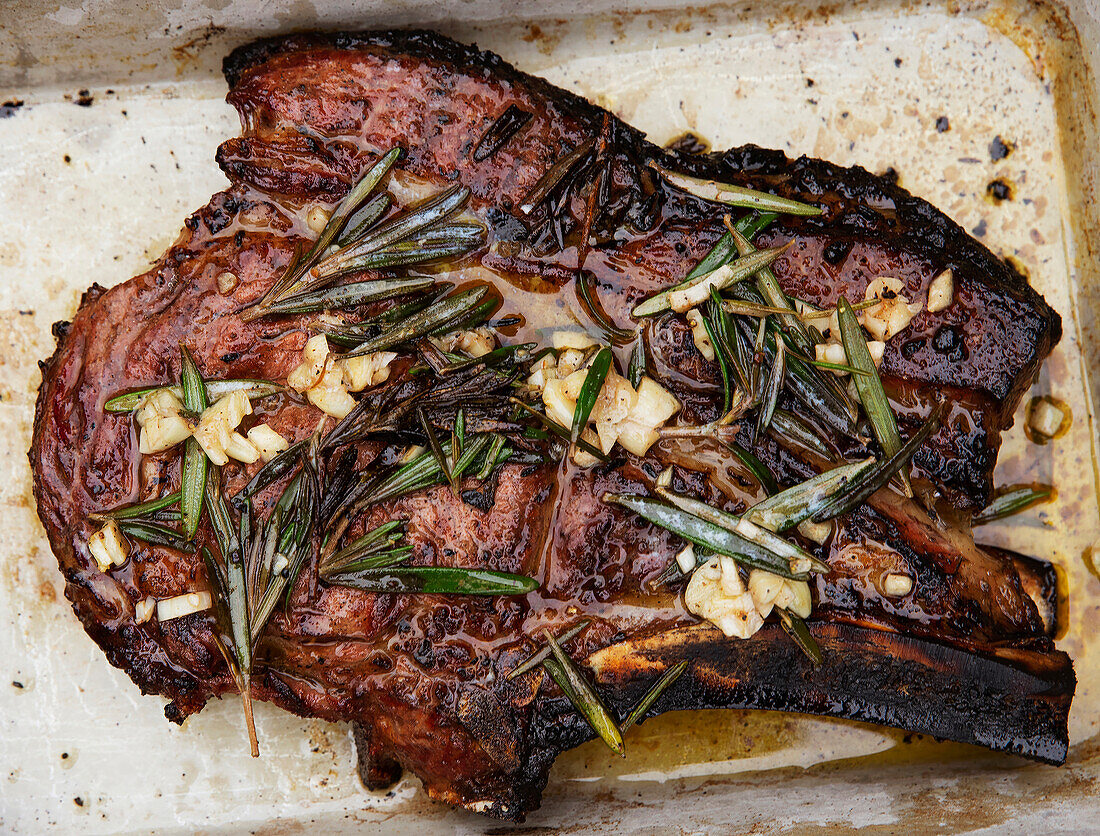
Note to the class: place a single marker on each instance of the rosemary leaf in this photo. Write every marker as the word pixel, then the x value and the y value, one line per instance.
pixel 723 363
pixel 127 512
pixel 193 472
pixel 554 175
pixel 705 533
pixel 440 315
pixel 771 391
pixel 564 671
pixel 796 628
pixel 590 392
pixel 788 508
pixel 438 580
pixel 750 226
pixel 739 270
pixel 349 295
pixel 787 427
pixel 437 449
pixel 537 658
pixel 155 534
pixel 773 294
pixel 590 302
pixel 504 127
pixel 736 195
pixel 215 389
pixel 871 394
pixel 760 471
pixel 364 219
pixel 651 696
pixel 881 473
pixel 636 370
pixel 1013 501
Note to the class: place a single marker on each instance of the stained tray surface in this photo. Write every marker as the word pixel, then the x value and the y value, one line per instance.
pixel 94 192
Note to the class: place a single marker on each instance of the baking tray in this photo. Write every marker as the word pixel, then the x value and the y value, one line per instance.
pixel 122 109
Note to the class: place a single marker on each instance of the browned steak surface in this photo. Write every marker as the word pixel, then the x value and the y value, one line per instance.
pixel 423 675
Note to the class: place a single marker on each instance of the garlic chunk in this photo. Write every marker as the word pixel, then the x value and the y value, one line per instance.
pixel 699 334
pixel 686 559
pixel 160 421
pixel 708 595
pixel 217 427
pixel 367 370
pixel 181 605
pixel 476 342
pixel 267 442
pixel 688 297
pixel 941 291
pixel 108 547
pixel 897 585
pixel 227 282
pixel 241 449
pixel 577 340
pixel 329 394
pixel 144 609
pixel 892 314
pixel 314 357
pixel 317 218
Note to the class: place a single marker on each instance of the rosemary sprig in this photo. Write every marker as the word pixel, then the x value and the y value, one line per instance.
pixel 377 549
pixel 773 294
pixel 653 694
pixel 156 535
pixel 537 658
pixel 215 389
pixel 349 295
pixel 590 392
pixel 438 580
pixel 881 473
pixel 787 427
pixel 554 175
pixel 705 533
pixel 735 195
pixel 723 250
pixel 739 270
pixel 1013 501
pixel 442 315
pixel 584 286
pixel 127 512
pixel 193 469
pixel 424 246
pixel 720 356
pixel 788 508
pixel 796 628
pixel 292 279
pixel 871 394
pixel 771 391
pixel 564 671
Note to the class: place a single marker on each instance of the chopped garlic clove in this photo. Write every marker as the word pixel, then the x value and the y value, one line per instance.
pixel 764 588
pixel 367 370
pixel 637 439
pixel 218 423
pixel 616 400
pixel 734 615
pixel 578 340
pixel 731 581
pixel 314 357
pixel 795 597
pixel 655 404
pixel 892 314
pixel 144 609
pixel 897 585
pixel 227 282
pixel 241 449
pixel 941 291
pixel 817 532
pixel 699 334
pixel 159 403
pixel 268 442
pixel 317 218
pixel 329 394
pixel 181 605
pixel 162 432
pixel 582 457
pixel 108 547
pixel 559 406
pixel 877 350
pixel 686 559
pixel 569 361
pixel 1046 418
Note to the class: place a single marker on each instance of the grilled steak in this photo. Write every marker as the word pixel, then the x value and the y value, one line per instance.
pixel 968 655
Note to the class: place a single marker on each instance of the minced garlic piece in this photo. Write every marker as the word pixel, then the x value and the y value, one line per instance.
pixel 144 609
pixel 217 429
pixel 717 593
pixel 314 358
pixel 160 421
pixel 476 342
pixel 329 395
pixel 941 291
pixel 317 218
pixel 770 591
pixel 267 442
pixel 892 314
pixel 365 370
pixel 688 297
pixel 1046 418
pixel 543 369
pixel 835 353
pixel 227 282
pixel 578 340
pixel 181 605
pixel 699 334
pixel 686 559
pixel 108 547
pixel 897 585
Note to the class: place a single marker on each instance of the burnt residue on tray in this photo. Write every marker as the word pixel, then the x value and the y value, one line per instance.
pixel 10 107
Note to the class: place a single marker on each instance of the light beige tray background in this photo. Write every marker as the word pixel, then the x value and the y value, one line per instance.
pixel 93 194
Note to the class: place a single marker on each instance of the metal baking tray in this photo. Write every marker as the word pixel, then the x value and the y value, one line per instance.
pixel 113 145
